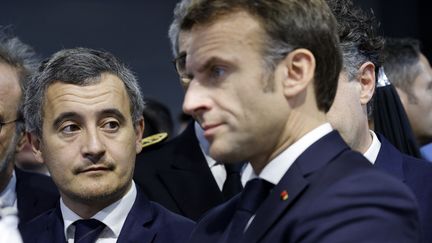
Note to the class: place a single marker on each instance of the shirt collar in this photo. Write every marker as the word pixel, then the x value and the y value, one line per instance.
pixel 372 153
pixel 8 195
pixel 113 216
pixel 276 168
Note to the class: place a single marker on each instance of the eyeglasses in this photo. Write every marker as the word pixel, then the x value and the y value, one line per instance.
pixel 180 67
pixel 5 123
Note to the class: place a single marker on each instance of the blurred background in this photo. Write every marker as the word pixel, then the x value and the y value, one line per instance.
pixel 136 32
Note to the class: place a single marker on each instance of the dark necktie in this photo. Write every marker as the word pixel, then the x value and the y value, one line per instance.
pixel 251 198
pixel 87 230
pixel 232 185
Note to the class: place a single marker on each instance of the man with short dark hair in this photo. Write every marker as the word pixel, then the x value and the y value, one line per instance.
pixel 29 193
pixel 259 77
pixel 83 112
pixel 361 47
pixel 410 72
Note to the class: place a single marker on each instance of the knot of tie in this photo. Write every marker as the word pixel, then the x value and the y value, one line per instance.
pixel 254 193
pixel 87 230
pixel 232 185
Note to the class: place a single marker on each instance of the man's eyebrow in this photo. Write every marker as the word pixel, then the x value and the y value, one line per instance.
pixel 209 62
pixel 112 112
pixel 103 113
pixel 64 116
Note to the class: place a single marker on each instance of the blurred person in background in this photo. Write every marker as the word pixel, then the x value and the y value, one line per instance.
pixel 361 47
pixel 410 72
pixel 29 193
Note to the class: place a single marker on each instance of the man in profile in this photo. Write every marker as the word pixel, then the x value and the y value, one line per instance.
pixel 28 193
pixel 361 47
pixel 83 111
pixel 259 77
pixel 410 72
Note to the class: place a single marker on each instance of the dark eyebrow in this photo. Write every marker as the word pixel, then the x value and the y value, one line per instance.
pixel 64 116
pixel 209 62
pixel 73 115
pixel 112 112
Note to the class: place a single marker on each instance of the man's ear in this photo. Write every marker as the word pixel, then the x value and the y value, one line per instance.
pixel 36 144
pixel 366 77
pixel 299 70
pixel 139 131
pixel 22 140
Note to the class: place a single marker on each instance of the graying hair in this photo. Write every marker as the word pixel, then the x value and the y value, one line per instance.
pixel 23 59
pixel 79 66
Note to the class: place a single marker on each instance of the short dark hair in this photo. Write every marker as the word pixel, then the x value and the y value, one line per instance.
pixel 401 58
pixel 79 66
pixel 358 36
pixel 359 39
pixel 288 25
pixel 23 59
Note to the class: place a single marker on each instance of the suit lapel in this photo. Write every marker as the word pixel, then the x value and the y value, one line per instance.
pixel 54 228
pixel 134 229
pixel 390 159
pixel 293 183
pixel 273 207
pixel 189 180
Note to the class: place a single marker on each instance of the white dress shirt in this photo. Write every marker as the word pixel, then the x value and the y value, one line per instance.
pixel 218 170
pixel 8 196
pixel 8 226
pixel 372 153
pixel 112 216
pixel 277 167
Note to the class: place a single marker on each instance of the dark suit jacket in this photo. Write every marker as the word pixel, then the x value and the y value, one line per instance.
pixel 334 195
pixel 36 194
pixel 146 222
pixel 176 175
pixel 416 173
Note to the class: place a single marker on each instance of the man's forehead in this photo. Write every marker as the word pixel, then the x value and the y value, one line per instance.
pixel 109 91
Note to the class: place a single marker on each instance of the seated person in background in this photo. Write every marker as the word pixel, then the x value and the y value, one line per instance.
pixel 29 193
pixel 410 72
pixel 361 47
pixel 83 111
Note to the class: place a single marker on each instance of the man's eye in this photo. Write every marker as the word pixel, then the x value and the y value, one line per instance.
pixel 111 126
pixel 70 128
pixel 217 72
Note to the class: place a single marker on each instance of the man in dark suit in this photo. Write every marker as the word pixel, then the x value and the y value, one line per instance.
pixel 29 193
pixel 361 48
pixel 83 111
pixel 259 77
pixel 177 175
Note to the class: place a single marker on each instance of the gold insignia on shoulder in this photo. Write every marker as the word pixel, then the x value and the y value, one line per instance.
pixel 153 139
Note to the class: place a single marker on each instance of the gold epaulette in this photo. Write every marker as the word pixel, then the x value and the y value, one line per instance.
pixel 153 139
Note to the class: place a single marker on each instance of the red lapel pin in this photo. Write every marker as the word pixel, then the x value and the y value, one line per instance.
pixel 284 195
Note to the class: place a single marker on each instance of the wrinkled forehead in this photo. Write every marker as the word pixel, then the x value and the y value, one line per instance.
pixel 227 33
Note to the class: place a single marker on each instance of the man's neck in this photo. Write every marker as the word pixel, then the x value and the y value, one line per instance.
pixel 296 128
pixel 362 140
pixel 86 208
